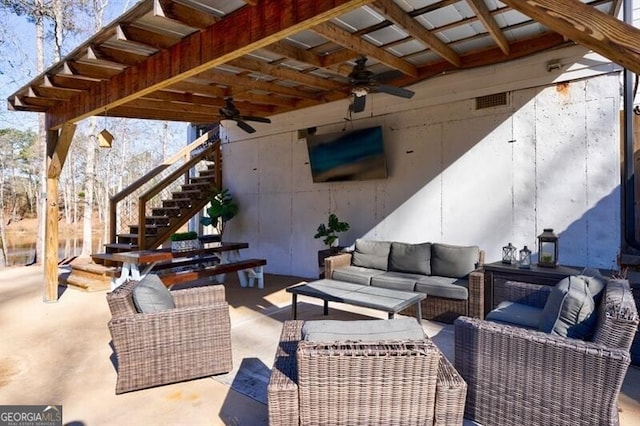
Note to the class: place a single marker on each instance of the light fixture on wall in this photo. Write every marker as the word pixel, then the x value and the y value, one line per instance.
pixel 105 138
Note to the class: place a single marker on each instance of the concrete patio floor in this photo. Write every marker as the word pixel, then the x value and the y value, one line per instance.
pixel 60 354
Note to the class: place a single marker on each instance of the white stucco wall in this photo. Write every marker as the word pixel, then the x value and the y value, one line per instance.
pixel 456 175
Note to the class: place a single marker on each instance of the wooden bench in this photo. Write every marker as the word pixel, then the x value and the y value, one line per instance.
pixel 249 270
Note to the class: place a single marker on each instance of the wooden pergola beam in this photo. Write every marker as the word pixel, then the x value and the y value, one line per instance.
pixel 588 26
pixel 240 33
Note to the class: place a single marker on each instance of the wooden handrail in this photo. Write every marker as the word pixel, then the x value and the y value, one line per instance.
pixel 157 188
pixel 184 153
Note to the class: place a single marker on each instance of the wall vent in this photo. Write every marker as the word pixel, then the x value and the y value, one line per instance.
pixel 491 101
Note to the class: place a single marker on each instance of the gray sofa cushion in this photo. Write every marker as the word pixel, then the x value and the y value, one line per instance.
pixel 412 258
pixel 372 254
pixel 151 295
pixel 570 309
pixel 355 274
pixel 517 314
pixel 396 280
pixel 362 330
pixel 453 261
pixel 450 288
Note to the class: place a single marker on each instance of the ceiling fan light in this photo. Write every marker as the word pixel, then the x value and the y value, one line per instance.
pixel 360 91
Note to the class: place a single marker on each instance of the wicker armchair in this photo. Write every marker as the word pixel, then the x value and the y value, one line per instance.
pixel 362 383
pixel 191 341
pixel 433 307
pixel 519 376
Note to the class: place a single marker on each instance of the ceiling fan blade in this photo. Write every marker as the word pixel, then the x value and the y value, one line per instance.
pixel 359 103
pixel 244 126
pixel 388 75
pixel 254 118
pixel 392 90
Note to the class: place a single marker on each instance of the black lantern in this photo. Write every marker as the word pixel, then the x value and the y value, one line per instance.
pixel 524 260
pixel 509 254
pixel 548 249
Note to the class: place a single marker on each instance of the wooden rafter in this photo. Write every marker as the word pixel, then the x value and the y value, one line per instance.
pixel 484 15
pixel 398 16
pixel 348 40
pixel 285 74
pixel 182 13
pixel 588 26
pixel 270 21
pixel 144 37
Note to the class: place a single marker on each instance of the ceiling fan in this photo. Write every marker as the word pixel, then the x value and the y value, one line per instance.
pixel 364 81
pixel 230 112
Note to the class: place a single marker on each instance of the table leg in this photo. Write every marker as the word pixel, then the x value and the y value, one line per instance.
pixel 391 315
pixel 294 304
pixel 326 307
pixel 419 312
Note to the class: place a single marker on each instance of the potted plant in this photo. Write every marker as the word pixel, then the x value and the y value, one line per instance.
pixel 185 241
pixel 222 208
pixel 329 236
pixel 328 232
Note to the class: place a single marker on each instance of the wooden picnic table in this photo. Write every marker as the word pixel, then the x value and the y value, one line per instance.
pixel 137 264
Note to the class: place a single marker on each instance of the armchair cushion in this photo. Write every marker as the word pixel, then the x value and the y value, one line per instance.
pixel 453 261
pixel 412 258
pixel 151 295
pixel 372 254
pixel 570 309
pixel 516 314
pixel 362 330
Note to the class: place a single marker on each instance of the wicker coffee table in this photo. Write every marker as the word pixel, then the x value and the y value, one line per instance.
pixel 383 299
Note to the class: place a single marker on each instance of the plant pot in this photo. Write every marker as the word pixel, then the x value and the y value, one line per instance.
pixel 185 245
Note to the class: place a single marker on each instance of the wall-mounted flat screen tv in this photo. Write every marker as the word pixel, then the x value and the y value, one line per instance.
pixel 349 155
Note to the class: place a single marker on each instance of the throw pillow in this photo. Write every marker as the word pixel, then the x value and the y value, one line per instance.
pixel 596 283
pixel 570 309
pixel 412 258
pixel 151 295
pixel 371 254
pixel 453 261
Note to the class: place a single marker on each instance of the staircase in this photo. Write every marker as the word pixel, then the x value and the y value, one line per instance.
pixel 164 200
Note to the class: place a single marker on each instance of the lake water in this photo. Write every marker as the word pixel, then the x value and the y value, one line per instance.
pixel 21 248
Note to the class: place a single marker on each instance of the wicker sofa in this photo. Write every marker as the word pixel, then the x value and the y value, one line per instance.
pixel 523 376
pixel 362 383
pixel 450 275
pixel 191 341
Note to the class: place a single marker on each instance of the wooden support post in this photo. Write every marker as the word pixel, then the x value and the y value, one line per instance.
pixel 57 148
pixel 51 243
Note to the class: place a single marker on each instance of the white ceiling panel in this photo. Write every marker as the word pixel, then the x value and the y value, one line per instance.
pixel 407 48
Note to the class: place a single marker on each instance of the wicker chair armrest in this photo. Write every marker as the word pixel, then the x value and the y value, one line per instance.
pixel 282 391
pixel 476 294
pixel 119 300
pixel 332 263
pixel 199 296
pixel 451 393
pixel 515 375
pixel 521 292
